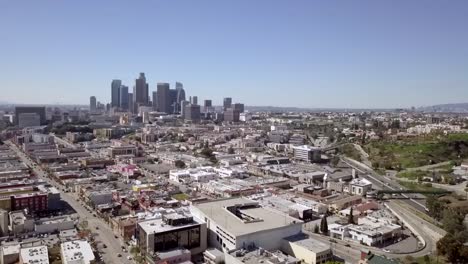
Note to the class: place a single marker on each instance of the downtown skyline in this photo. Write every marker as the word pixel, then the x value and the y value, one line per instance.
pixel 355 56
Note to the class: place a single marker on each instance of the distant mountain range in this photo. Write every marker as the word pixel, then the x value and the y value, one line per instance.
pixel 446 108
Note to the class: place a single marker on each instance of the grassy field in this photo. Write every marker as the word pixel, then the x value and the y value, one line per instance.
pixel 350 151
pixel 419 186
pixel 413 175
pixel 180 196
pixel 416 152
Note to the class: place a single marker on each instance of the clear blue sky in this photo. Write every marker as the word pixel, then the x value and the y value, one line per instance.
pixel 305 53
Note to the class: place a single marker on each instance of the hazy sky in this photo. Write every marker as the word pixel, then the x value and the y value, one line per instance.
pixel 285 53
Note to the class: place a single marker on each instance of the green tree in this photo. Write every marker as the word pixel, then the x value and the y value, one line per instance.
pixel 230 150
pixel 435 207
pixel 334 161
pixel 351 217
pixel 179 164
pixel 324 225
pixel 316 229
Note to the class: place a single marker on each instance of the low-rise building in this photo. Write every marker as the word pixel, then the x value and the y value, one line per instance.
pixel 239 223
pixel 77 251
pixel 34 255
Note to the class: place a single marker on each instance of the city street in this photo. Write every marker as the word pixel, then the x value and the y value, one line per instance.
pixel 104 233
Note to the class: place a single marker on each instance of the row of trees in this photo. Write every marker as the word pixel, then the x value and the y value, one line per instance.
pixel 452 244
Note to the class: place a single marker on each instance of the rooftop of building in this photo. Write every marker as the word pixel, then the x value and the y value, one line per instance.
pixel 260 255
pixel 308 243
pixel 252 217
pixel 161 225
pixel 35 255
pixel 77 250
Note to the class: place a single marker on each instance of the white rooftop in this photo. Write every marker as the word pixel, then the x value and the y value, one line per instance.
pixel 73 251
pixel 35 255
pixel 256 218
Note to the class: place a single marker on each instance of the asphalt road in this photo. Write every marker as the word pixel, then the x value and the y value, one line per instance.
pixel 382 183
pixel 104 233
pixel 349 251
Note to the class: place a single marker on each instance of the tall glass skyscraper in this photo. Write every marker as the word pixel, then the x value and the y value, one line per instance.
pixel 115 93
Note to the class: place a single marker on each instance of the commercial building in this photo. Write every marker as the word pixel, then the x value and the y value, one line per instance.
pixel 309 250
pixel 241 223
pixel 227 103
pixel 231 115
pixel 77 251
pixel 163 98
pixel 360 186
pixel 172 231
pixel 192 113
pixel 39 110
pixel 92 104
pixel 115 93
pixel 120 148
pixel 124 97
pixel 307 153
pixel 140 92
pixel 180 96
pixel 29 120
pixel 34 255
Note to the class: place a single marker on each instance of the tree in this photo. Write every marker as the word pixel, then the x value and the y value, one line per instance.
pixel 179 164
pixel 351 217
pixel 334 161
pixel 324 225
pixel 230 150
pixel 435 207
pixel 316 229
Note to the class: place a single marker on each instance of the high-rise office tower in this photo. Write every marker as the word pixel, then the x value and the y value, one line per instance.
pixel 194 100
pixel 130 102
pixel 140 92
pixel 192 112
pixel 227 103
pixel 124 97
pixel 207 106
pixel 92 104
pixel 115 93
pixel 155 101
pixel 180 96
pixel 39 110
pixel 183 104
pixel 163 97
pixel 207 103
pixel 238 107
pixel 173 101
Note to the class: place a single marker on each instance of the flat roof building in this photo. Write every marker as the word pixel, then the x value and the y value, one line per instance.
pixel 240 223
pixel 78 251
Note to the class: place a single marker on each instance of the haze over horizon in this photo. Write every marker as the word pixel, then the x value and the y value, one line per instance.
pixel 328 54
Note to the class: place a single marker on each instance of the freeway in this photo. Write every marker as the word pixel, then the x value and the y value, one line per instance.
pixel 383 183
pixel 103 231
pixel 426 232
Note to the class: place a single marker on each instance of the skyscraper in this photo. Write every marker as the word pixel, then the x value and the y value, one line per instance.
pixel 180 96
pixel 140 92
pixel 192 112
pixel 194 100
pixel 92 104
pixel 115 93
pixel 124 97
pixel 207 106
pixel 155 101
pixel 227 103
pixel 238 107
pixel 130 102
pixel 173 100
pixel 163 97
